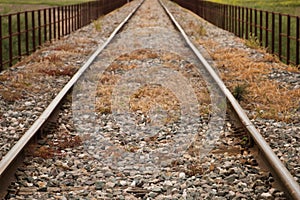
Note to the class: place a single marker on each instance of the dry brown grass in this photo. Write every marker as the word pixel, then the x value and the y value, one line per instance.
pixel 194 169
pixel 51 59
pixel 66 47
pixel 55 70
pixel 38 66
pixel 104 91
pixel 196 29
pixel 272 101
pixel 292 68
pixel 237 67
pixel 14 86
pixel 267 97
pixel 149 18
pixel 54 148
pixel 66 141
pixel 10 96
pixel 148 96
pixel 83 41
pixel 140 54
pixel 42 152
pixel 112 75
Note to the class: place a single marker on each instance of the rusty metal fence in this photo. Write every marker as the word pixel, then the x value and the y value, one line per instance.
pixel 23 32
pixel 279 33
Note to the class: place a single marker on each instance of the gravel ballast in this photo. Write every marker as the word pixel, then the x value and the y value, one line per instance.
pixel 68 164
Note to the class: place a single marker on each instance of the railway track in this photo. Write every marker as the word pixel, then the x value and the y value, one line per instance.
pixel 178 138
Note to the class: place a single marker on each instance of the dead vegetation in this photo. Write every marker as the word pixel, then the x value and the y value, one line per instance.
pixel 16 86
pixel 40 65
pixel 54 147
pixel 10 96
pixel 268 98
pixel 150 96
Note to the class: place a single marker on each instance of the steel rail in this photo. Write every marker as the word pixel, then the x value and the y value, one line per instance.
pixel 280 172
pixel 8 160
pixel 283 175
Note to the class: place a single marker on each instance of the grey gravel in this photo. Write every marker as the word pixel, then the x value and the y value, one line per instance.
pixel 71 171
pixel 17 116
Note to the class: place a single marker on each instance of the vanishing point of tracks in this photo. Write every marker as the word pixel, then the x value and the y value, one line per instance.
pixel 155 89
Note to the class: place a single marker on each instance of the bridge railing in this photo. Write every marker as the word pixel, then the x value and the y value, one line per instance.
pixel 278 33
pixel 23 32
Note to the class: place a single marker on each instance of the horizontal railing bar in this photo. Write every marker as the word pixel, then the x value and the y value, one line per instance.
pixel 275 31
pixel 46 24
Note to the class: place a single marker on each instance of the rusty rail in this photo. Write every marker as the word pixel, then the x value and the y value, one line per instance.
pixel 24 32
pixel 13 158
pixel 279 33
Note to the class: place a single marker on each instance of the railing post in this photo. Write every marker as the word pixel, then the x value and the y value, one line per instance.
pixel 84 13
pixel 243 22
pixel 195 6
pixel 26 34
pixel 89 13
pixel 297 40
pixel 279 36
pixel 54 23
pixel 45 25
pixel 62 23
pixel 251 22
pixel 236 20
pixel 19 35
pixel 10 40
pixel 239 20
pixel 273 33
pixel 255 23
pixel 230 18
pixel 69 26
pixel 267 30
pixel 260 26
pixel 224 11
pixel 288 39
pixel 58 23
pixel 247 23
pixel 69 19
pixel 72 18
pixel 33 31
pixel 225 8
pixel 1 58
pixel 78 16
pixel 66 20
pixel 40 31
pixel 50 24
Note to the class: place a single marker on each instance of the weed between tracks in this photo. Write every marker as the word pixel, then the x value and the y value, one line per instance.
pixel 253 42
pixel 97 24
pixel 239 92
pixel 55 147
pixel 198 30
pixel 149 95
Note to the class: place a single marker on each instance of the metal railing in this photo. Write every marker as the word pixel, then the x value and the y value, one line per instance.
pixel 23 32
pixel 278 33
